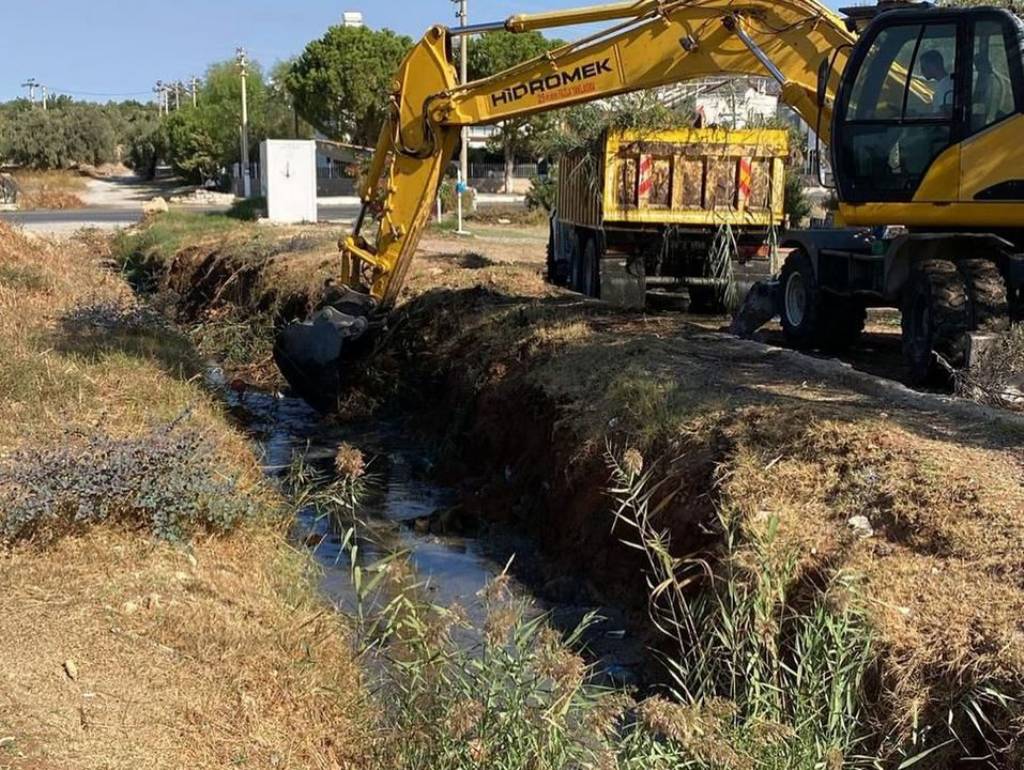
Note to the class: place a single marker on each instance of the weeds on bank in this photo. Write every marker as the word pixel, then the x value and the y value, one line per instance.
pixel 789 659
pixel 166 481
pixel 145 252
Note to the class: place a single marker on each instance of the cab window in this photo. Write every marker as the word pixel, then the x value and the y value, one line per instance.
pixel 992 93
pixel 900 114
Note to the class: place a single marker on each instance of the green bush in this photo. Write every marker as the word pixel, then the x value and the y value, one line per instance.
pixel 248 209
pixel 796 205
pixel 166 481
pixel 449 200
pixel 543 193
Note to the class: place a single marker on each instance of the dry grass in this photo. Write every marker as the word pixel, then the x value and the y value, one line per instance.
pixel 121 651
pixel 50 189
pixel 208 657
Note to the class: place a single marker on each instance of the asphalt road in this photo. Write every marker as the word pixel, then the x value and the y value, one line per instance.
pixel 73 219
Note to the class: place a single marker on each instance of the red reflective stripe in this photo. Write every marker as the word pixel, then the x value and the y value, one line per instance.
pixel 746 178
pixel 646 165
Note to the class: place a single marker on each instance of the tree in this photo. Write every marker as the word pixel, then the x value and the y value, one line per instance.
pixel 282 117
pixel 498 51
pixel 340 83
pixel 202 139
pixel 67 134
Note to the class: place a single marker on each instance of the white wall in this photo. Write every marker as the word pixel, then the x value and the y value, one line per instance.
pixel 288 169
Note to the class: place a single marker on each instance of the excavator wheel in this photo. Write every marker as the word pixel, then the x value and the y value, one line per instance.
pixel 798 300
pixel 988 307
pixel 811 319
pixel 935 318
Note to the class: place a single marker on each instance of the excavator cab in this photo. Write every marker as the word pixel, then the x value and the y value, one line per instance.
pixel 920 85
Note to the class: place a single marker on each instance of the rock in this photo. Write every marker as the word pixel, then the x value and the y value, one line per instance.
pixel 71 669
pixel 860 526
pixel 156 205
pixel 504 221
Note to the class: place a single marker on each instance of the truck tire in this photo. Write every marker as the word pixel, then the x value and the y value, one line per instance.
pixel 552 271
pixel 988 307
pixel 935 318
pixel 799 300
pixel 590 267
pixel 575 259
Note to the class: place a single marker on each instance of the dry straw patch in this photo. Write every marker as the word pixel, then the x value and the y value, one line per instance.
pixel 181 658
pixel 50 189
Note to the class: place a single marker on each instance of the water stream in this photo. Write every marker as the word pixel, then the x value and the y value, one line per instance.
pixel 401 503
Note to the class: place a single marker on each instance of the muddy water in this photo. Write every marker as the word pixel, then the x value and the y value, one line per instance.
pixel 401 503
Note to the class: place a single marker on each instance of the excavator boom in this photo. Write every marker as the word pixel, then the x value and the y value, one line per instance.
pixel 654 44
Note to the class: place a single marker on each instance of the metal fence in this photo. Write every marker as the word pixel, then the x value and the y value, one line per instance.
pixel 497 170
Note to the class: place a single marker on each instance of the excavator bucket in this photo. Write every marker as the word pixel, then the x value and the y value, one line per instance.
pixel 318 356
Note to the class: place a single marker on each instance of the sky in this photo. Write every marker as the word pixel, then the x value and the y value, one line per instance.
pixel 117 49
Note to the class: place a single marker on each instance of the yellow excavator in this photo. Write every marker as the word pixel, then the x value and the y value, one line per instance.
pixel 922 108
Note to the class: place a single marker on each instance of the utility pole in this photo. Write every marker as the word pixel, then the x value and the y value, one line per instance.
pixel 161 97
pixel 463 15
pixel 195 86
pixel 246 182
pixel 31 85
pixel 177 95
pixel 44 98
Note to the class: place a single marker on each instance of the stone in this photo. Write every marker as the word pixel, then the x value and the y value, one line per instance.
pixel 155 205
pixel 861 526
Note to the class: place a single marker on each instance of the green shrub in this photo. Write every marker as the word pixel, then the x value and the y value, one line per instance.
pixel 166 481
pixel 543 193
pixel 449 200
pixel 248 209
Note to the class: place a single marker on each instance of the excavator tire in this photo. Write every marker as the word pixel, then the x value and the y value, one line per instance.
pixel 988 307
pixel 799 300
pixel 935 319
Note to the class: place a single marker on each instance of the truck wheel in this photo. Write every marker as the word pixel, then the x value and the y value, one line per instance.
pixel 591 281
pixel 575 259
pixel 553 271
pixel 935 318
pixel 988 307
pixel 798 300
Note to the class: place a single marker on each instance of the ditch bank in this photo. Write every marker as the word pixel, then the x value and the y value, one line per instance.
pixel 745 459
pixel 151 611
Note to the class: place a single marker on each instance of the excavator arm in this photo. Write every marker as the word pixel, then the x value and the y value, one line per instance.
pixel 651 43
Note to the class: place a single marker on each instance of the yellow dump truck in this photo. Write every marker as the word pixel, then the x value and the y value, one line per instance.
pixel 684 217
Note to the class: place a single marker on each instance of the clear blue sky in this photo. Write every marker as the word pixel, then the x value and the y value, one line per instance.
pixel 95 48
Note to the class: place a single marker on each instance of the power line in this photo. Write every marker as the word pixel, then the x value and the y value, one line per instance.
pixel 75 92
